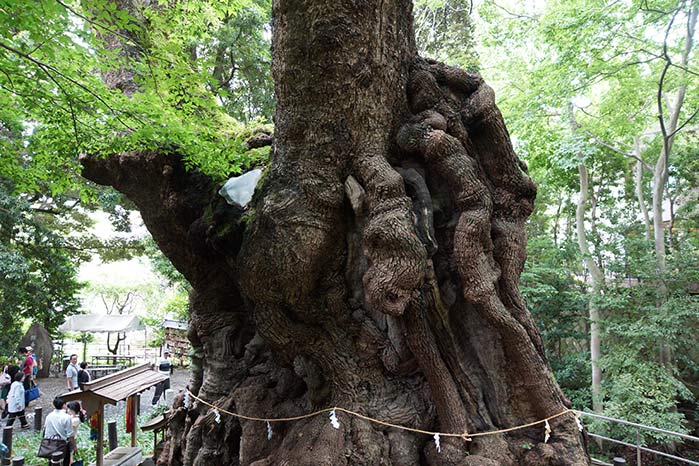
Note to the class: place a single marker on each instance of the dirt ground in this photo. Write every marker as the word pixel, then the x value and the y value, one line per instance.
pixel 53 386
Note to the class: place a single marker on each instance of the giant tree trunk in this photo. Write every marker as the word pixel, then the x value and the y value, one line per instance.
pixel 376 269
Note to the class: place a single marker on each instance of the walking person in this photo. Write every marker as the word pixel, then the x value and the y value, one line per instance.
pixel 15 401
pixel 5 382
pixel 165 367
pixel 27 366
pixel 35 364
pixel 59 424
pixel 11 370
pixel 72 373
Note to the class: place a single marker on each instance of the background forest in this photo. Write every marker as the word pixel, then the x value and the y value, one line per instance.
pixel 600 98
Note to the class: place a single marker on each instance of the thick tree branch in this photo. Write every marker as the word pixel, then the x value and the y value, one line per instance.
pixel 260 140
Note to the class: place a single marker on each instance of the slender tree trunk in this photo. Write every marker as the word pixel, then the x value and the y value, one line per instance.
pixel 376 270
pixel 661 170
pixel 597 277
pixel 638 184
pixel 557 220
pixel 119 339
pixel 595 270
pixel 671 222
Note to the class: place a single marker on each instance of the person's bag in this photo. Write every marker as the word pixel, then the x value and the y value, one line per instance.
pixel 31 394
pixel 49 446
pixel 5 378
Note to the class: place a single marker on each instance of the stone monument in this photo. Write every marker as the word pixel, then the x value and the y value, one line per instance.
pixel 38 338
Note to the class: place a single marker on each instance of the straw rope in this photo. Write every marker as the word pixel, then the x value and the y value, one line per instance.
pixel 465 435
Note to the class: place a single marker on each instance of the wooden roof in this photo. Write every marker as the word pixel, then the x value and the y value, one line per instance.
pixel 175 324
pixel 118 386
pixel 156 423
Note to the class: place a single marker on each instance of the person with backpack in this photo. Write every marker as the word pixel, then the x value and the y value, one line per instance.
pixel 27 367
pixel 35 364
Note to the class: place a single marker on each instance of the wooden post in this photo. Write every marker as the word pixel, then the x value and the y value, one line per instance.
pixel 100 436
pixel 18 461
pixel 134 417
pixel 112 435
pixel 7 439
pixel 5 462
pixel 38 412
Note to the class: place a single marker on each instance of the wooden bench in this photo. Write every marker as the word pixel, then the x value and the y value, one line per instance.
pixel 597 462
pixel 100 371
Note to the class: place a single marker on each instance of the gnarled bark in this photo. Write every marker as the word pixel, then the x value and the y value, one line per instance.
pixel 377 268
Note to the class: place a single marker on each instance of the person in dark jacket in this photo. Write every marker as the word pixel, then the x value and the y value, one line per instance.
pixel 83 375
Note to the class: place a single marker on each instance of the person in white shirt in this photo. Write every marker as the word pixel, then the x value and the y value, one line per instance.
pixel 164 366
pixel 59 424
pixel 72 373
pixel 15 401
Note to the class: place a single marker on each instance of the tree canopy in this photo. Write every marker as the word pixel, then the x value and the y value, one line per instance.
pixel 204 86
pixel 590 88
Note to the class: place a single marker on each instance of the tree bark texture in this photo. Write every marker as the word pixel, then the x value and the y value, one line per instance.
pixel 375 270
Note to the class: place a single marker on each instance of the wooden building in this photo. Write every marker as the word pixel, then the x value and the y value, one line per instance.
pixel 176 339
pixel 122 385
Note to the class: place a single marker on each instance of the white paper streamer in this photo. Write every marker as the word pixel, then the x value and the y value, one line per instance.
pixel 578 422
pixel 333 420
pixel 270 432
pixel 437 444
pixel 187 400
pixel 239 189
pixel 217 416
pixel 547 432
